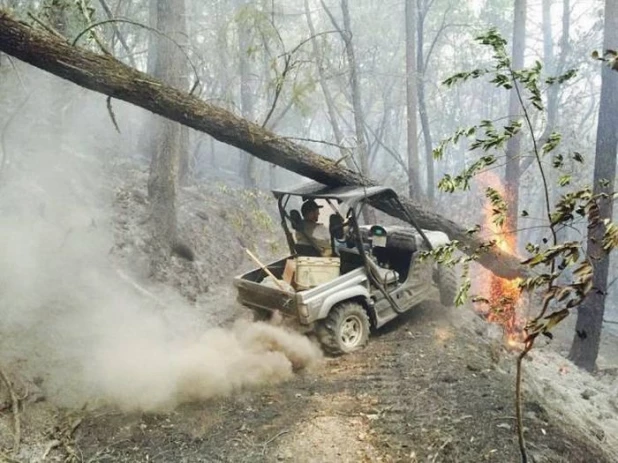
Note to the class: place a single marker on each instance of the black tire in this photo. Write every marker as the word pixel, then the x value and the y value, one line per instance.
pixel 261 315
pixel 447 285
pixel 345 329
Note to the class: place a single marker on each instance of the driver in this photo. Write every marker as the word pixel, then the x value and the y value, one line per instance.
pixel 315 230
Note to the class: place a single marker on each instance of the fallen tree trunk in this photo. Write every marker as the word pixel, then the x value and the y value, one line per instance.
pixel 104 74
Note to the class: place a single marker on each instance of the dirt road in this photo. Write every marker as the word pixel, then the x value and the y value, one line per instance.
pixel 428 388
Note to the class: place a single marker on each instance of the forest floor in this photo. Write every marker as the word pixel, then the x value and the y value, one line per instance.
pixel 430 387
pixel 436 385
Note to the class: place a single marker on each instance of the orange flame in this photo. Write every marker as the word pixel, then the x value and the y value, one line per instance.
pixel 503 295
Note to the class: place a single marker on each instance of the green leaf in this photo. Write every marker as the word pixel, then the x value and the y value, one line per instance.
pixel 462 293
pixel 552 142
pixel 535 260
pixel 473 230
pixel 564 180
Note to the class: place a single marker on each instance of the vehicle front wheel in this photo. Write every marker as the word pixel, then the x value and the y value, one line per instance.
pixel 345 330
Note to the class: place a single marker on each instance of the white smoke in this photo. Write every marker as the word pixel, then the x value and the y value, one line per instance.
pixel 68 318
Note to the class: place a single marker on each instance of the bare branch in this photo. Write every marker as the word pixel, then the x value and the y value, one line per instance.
pixel 120 37
pixel 152 29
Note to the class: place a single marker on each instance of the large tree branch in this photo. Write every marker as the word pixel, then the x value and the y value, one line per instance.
pixel 105 74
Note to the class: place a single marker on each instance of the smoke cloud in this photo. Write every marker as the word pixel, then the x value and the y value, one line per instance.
pixel 70 319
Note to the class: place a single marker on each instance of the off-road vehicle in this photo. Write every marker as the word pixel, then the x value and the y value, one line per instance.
pixel 374 272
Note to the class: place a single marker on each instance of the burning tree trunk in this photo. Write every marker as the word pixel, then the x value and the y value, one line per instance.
pixel 107 75
pixel 502 305
pixel 585 348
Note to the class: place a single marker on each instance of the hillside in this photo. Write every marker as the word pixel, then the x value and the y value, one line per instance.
pixel 117 367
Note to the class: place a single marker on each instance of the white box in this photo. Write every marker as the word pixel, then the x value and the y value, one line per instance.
pixel 313 271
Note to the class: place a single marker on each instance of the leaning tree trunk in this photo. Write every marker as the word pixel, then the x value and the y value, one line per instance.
pixel 585 348
pixel 105 74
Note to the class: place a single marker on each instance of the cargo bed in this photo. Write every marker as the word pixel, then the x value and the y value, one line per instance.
pixel 252 293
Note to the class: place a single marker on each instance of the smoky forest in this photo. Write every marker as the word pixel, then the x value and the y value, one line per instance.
pixel 308 231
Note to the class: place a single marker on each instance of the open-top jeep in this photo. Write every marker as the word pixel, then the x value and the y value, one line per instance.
pixel 373 272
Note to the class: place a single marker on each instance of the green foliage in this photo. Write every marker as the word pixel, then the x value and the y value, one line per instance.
pixel 560 271
pixel 462 181
pixel 549 259
pixel 552 142
pixel 498 206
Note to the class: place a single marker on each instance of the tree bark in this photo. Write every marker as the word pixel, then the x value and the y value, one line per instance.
pixel 411 101
pixel 585 347
pixel 512 172
pixel 168 147
pixel 106 75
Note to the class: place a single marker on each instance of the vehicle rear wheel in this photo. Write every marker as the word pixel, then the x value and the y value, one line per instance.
pixel 261 315
pixel 345 330
pixel 447 285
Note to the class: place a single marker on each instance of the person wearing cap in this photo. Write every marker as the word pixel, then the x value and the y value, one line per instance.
pixel 312 228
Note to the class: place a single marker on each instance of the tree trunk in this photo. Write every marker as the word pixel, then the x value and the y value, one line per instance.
pixel 359 117
pixel 422 105
pixel 167 136
pixel 411 101
pixel 328 97
pixel 554 66
pixel 585 348
pixel 512 172
pixel 246 96
pixel 355 89
pixel 106 75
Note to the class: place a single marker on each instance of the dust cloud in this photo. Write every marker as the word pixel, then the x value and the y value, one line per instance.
pixel 149 374
pixel 69 319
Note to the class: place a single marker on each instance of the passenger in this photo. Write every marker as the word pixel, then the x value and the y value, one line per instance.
pixel 313 229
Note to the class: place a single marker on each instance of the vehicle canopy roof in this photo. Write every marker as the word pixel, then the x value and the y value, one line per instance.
pixel 348 194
